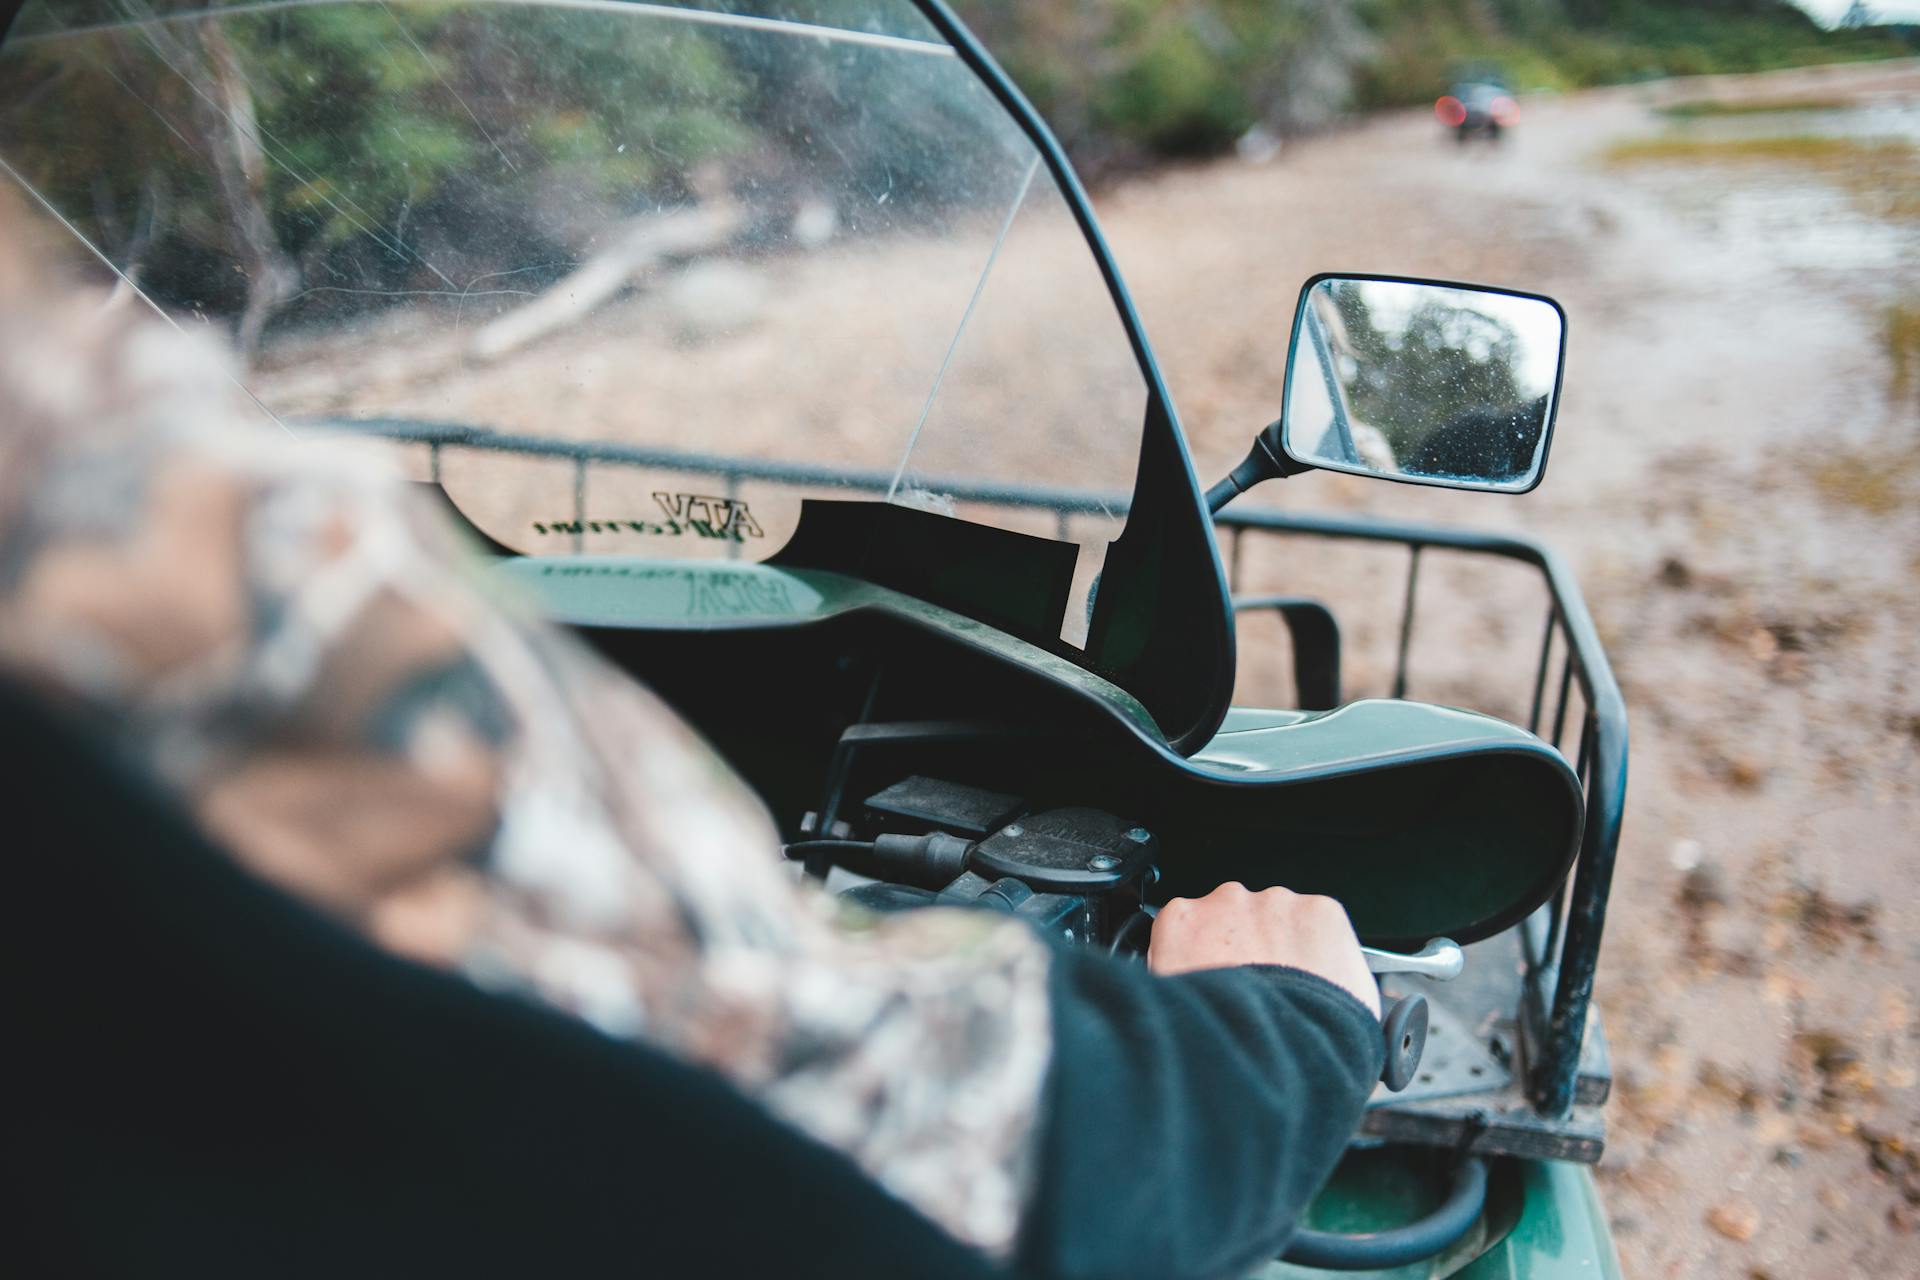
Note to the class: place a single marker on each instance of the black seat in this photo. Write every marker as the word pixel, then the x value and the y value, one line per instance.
pixel 207 1078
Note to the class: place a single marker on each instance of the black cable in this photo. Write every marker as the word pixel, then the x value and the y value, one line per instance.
pixel 931 861
pixel 801 850
pixel 1123 937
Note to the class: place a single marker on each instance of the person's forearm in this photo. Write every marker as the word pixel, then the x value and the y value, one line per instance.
pixel 1190 1119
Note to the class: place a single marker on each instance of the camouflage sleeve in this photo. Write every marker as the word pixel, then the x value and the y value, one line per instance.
pixel 292 643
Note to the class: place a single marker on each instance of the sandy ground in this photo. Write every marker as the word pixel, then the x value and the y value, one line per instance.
pixel 1741 498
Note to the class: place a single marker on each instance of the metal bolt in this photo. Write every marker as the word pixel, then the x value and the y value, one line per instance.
pixel 1102 862
pixel 1014 829
pixel 1139 835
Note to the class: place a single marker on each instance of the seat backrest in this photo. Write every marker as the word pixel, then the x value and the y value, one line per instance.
pixel 205 1077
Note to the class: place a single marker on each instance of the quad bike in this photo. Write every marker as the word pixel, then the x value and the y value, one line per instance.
pixel 779 354
pixel 1477 109
pixel 1479 105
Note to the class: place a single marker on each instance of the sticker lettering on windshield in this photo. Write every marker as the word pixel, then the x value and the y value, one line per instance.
pixel 699 515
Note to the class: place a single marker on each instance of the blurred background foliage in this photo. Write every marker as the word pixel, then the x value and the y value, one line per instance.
pixel 329 153
pixel 1126 81
pixel 332 152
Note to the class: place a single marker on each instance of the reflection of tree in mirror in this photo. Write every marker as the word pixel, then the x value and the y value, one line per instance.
pixel 1439 380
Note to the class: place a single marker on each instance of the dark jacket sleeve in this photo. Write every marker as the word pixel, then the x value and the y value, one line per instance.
pixel 1190 1119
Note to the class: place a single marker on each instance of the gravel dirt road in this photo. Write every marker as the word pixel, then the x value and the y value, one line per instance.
pixel 1738 485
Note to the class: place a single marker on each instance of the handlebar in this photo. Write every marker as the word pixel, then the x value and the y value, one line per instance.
pixel 1442 960
pixel 1403 1022
pixel 1085 855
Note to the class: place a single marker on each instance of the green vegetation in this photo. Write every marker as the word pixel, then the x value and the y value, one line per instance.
pixel 1708 107
pixel 271 145
pixel 1872 481
pixel 290 162
pixel 1883 174
pixel 1570 44
pixel 1816 150
pixel 341 157
pixel 1900 337
pixel 1126 80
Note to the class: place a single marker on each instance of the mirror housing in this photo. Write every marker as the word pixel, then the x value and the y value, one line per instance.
pixel 1420 381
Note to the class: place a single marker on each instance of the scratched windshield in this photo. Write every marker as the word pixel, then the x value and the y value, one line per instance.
pixel 665 265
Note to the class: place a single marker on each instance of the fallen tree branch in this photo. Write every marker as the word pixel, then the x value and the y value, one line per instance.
pixel 644 244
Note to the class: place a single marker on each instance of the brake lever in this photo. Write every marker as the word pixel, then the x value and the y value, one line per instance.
pixel 1404 1021
pixel 1442 959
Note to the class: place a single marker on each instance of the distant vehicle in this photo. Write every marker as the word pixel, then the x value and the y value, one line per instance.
pixel 1478 107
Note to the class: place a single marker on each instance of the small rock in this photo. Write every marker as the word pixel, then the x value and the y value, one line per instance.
pixel 1703 887
pixel 814 222
pixel 1258 145
pixel 707 299
pixel 1686 854
pixel 1734 1219
pixel 1624 1151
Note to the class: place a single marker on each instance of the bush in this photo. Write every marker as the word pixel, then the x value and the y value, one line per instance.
pixel 1125 80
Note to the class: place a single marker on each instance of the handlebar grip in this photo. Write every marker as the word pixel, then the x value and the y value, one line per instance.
pixel 1403 1023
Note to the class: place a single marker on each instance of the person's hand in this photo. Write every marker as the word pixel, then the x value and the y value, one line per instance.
pixel 1232 926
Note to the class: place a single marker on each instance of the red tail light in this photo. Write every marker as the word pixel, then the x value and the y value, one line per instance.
pixel 1505 111
pixel 1451 111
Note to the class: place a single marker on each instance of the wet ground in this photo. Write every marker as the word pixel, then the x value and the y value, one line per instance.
pixel 1738 485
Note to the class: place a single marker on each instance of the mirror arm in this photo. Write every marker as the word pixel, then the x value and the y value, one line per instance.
pixel 1265 461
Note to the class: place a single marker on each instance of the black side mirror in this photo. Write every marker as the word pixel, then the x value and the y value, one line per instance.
pixel 1420 381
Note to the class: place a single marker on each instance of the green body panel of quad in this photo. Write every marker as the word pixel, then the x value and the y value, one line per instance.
pixel 1543 1220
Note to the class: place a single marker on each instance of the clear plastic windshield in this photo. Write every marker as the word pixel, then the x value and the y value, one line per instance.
pixel 668 266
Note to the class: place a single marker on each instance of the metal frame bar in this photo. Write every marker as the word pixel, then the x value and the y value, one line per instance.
pixel 1562 984
pixel 1561 974
pixel 440 436
pixel 1315 635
